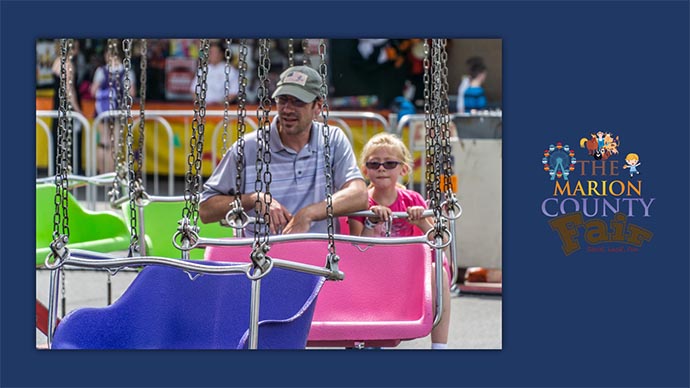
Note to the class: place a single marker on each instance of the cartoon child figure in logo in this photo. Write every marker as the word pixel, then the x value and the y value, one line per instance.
pixel 632 161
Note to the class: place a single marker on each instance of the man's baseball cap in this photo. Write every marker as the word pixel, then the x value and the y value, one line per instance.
pixel 302 82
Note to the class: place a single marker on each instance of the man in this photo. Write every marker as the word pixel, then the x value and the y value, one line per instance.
pixel 298 184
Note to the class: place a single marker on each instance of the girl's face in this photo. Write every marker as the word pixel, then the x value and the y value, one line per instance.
pixel 382 174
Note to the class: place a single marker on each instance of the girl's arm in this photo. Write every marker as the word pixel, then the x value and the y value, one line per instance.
pixel 366 229
pixel 414 217
pixel 356 227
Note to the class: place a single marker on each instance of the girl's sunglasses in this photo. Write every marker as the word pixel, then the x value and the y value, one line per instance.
pixel 389 165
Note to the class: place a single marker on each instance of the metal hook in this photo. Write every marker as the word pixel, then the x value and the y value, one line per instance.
pixel 449 238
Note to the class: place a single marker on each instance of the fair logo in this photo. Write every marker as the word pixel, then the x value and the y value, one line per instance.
pixel 597 201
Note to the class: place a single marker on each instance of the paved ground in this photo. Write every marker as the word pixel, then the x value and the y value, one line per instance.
pixel 476 321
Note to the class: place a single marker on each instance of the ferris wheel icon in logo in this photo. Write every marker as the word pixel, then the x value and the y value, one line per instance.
pixel 559 161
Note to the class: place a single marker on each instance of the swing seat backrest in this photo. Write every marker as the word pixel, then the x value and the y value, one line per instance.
pixel 160 224
pixel 95 231
pixel 384 298
pixel 164 309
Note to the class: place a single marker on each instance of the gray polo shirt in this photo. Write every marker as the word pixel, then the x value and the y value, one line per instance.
pixel 297 179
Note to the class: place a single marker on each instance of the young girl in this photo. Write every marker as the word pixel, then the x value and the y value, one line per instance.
pixel 385 159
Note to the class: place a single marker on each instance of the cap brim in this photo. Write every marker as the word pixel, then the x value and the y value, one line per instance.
pixel 294 91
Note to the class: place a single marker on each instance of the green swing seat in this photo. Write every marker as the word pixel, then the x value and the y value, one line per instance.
pixel 160 225
pixel 98 231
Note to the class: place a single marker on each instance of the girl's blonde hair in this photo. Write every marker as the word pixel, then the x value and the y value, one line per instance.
pixel 385 139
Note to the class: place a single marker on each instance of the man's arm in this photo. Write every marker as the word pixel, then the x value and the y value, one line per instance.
pixel 352 197
pixel 215 208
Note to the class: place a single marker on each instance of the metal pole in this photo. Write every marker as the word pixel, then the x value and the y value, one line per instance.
pixel 254 312
pixel 53 303
pixel 439 282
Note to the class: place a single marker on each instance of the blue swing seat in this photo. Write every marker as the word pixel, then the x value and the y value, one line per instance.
pixel 164 309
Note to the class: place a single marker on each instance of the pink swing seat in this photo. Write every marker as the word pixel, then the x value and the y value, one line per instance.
pixel 385 297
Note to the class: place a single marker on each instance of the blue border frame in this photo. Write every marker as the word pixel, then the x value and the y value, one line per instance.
pixel 569 68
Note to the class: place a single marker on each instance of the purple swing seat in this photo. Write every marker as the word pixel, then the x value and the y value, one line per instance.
pixel 164 309
pixel 385 296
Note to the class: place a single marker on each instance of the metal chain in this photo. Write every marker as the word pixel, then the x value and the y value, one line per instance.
pixel 61 200
pixel 142 110
pixel 263 156
pixel 305 52
pixel 241 114
pixel 112 53
pixel 445 124
pixel 428 122
pixel 435 191
pixel 120 160
pixel 68 123
pixel 328 168
pixel 291 53
pixel 61 224
pixel 226 102
pixel 196 143
pixel 262 184
pixel 129 121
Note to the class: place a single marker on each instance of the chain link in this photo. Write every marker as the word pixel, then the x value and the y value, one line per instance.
pixel 129 121
pixel 438 122
pixel 328 168
pixel 435 122
pixel 445 124
pixel 113 88
pixel 196 142
pixel 70 71
pixel 291 53
pixel 306 60
pixel 226 102
pixel 262 184
pixel 61 200
pixel 61 215
pixel 142 109
pixel 241 115
pixel 428 123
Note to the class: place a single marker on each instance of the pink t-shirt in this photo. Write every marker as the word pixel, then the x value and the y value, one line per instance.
pixel 400 227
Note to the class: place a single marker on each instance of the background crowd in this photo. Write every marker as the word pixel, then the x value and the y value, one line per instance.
pixel 363 73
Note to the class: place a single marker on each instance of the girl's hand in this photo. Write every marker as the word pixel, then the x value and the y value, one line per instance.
pixel 414 217
pixel 381 213
pixel 414 213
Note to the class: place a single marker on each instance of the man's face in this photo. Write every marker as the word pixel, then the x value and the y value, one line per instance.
pixel 296 115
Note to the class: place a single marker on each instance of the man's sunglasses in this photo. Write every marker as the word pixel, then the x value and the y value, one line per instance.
pixel 297 103
pixel 389 165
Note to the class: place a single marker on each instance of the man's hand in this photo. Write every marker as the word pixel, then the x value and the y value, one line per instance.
pixel 279 215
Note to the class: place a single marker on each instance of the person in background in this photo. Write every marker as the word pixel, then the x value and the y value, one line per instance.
pixel 215 78
pixel 384 160
pixel 471 96
pixel 296 203
pixel 107 89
